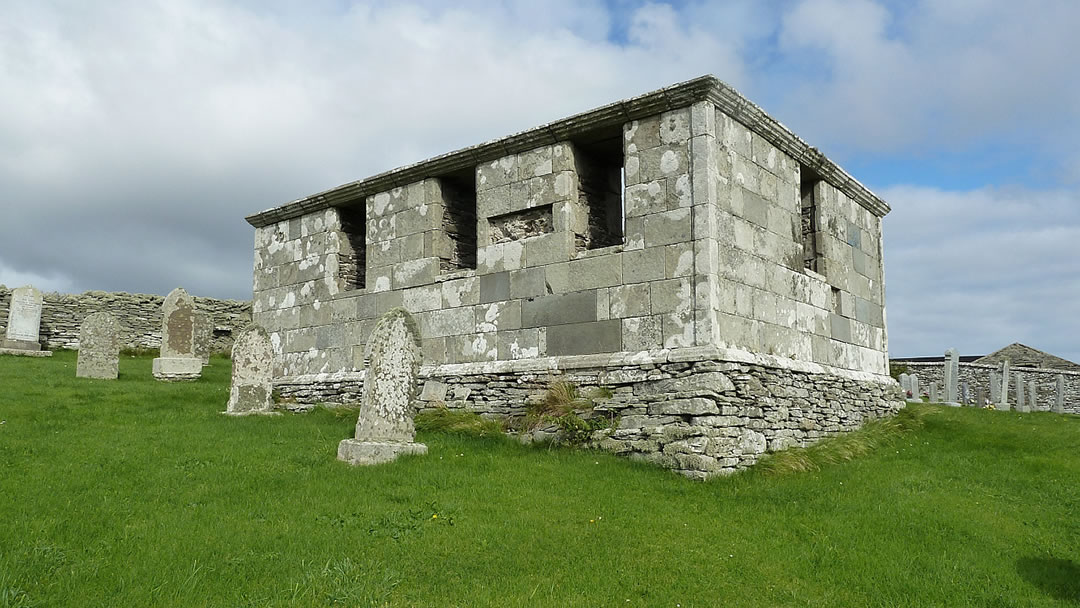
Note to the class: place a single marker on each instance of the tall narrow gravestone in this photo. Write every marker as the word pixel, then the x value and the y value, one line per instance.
pixel 934 393
pixel 23 333
pixel 252 373
pixel 952 371
pixel 915 388
pixel 980 396
pixel 384 429
pixel 965 393
pixel 905 383
pixel 99 347
pixel 177 360
pixel 1021 396
pixel 1059 395
pixel 204 336
pixel 995 387
pixel 1004 393
pixel 1033 397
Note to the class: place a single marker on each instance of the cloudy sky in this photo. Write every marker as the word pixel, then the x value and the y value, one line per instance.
pixel 135 136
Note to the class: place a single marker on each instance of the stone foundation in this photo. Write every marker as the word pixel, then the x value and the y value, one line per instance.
pixel 699 411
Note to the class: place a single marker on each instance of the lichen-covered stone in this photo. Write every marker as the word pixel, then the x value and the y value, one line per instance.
pixel 99 347
pixel 252 373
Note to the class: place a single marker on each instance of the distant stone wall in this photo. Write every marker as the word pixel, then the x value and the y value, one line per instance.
pixel 139 316
pixel 978 375
pixel 701 412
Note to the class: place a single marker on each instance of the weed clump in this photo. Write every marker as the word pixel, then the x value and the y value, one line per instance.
pixel 564 406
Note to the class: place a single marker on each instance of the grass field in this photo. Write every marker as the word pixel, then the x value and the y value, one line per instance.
pixel 138 493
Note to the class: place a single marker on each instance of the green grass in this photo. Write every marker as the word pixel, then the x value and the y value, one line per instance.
pixel 137 493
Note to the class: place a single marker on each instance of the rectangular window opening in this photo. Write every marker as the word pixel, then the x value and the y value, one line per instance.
pixel 352 261
pixel 459 221
pixel 600 187
pixel 808 182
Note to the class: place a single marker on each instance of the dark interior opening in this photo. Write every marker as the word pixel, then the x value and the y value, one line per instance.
pixel 808 181
pixel 352 261
pixel 600 186
pixel 459 220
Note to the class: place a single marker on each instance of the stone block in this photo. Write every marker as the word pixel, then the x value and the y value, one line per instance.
pixel 585 338
pixel 593 272
pixel 667 228
pixel 678 329
pixel 644 265
pixel 642 333
pixel 680 260
pixel 646 198
pixel 521 344
pixel 571 308
pixel 498 316
pixel 460 292
pixel 550 248
pixel 527 283
pixel 415 272
pixel 357 452
pixel 671 295
pixel 177 368
pixel 496 173
pixel 696 406
pixel 494 287
pixel 446 322
pixel 500 256
pixel 433 391
pixel 630 301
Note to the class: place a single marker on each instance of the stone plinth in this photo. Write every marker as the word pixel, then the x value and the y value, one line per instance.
pixel 359 452
pixel 177 368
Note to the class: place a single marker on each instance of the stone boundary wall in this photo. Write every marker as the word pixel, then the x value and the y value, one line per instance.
pixel 978 375
pixel 699 413
pixel 139 316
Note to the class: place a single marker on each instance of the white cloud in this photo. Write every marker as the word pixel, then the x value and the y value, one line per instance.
pixel 981 269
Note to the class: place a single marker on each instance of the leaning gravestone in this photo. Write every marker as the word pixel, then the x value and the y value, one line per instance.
pixel 99 347
pixel 1059 395
pixel 252 373
pixel 952 371
pixel 384 429
pixel 178 360
pixel 23 333
pixel 204 336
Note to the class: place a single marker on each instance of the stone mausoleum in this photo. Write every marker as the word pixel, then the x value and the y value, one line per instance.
pixel 681 248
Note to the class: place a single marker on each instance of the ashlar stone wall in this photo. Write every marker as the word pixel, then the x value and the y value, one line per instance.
pixel 139 316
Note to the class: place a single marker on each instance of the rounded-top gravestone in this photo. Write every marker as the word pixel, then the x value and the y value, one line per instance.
pixel 384 428
pixel 178 360
pixel 252 374
pixel 99 347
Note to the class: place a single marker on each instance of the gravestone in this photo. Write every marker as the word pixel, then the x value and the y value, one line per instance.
pixel 965 393
pixel 905 384
pixel 995 387
pixel 1004 394
pixel 915 388
pixel 384 428
pixel 1021 400
pixel 177 360
pixel 252 373
pixel 99 347
pixel 23 335
pixel 204 336
pixel 1059 397
pixel 1033 401
pixel 934 393
pixel 980 397
pixel 952 371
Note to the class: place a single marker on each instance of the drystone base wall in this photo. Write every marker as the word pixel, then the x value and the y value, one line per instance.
pixel 977 375
pixel 139 316
pixel 701 416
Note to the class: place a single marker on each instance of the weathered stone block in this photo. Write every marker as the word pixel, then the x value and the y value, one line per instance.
pixel 599 271
pixel 667 227
pixel 644 265
pixel 630 301
pixel 577 307
pixel 643 333
pixel 549 248
pixel 527 283
pixel 696 406
pixel 585 338
pixel 494 287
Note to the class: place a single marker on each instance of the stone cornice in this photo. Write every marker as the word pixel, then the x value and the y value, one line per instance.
pixel 704 88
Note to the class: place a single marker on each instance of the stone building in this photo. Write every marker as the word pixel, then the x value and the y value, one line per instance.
pixel 681 248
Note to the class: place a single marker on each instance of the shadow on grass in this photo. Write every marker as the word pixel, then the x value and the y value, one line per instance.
pixel 1059 578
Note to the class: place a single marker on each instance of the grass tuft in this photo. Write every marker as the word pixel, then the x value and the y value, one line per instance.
pixel 847 446
pixel 445 420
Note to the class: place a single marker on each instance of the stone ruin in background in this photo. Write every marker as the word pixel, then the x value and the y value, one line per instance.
pixel 677 234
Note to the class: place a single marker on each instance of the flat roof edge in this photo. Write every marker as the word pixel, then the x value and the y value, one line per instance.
pixel 703 88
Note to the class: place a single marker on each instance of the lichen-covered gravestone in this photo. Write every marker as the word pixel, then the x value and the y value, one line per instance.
pixel 252 373
pixel 99 347
pixel 23 333
pixel 384 429
pixel 178 360
pixel 204 336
